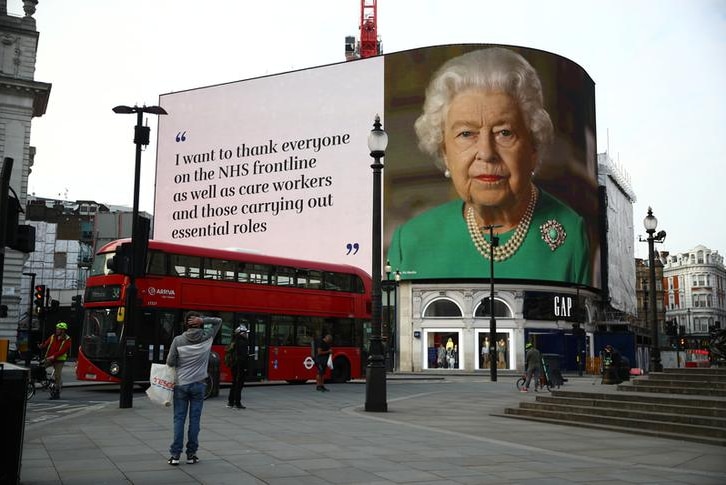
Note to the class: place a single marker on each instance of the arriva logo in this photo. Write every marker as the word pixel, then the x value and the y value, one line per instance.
pixel 163 292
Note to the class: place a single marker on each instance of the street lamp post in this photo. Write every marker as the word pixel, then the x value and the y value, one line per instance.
pixel 376 369
pixel 128 344
pixel 651 223
pixel 493 242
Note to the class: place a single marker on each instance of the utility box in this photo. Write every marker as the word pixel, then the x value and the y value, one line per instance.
pixel 13 385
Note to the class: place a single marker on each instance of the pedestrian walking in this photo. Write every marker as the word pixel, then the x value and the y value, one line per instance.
pixel 57 347
pixel 324 352
pixel 189 355
pixel 533 366
pixel 236 358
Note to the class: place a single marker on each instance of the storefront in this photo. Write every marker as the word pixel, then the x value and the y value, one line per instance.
pixel 445 327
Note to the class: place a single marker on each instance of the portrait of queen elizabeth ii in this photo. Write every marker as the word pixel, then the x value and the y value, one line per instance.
pixel 484 123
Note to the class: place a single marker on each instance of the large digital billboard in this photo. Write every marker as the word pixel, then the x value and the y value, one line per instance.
pixel 479 136
pixel 277 165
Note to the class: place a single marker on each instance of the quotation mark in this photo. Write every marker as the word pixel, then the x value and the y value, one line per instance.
pixel 181 136
pixel 350 247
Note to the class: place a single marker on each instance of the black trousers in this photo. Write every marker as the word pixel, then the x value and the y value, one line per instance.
pixel 238 381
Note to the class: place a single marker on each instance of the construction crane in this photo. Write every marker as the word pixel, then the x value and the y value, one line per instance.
pixel 369 43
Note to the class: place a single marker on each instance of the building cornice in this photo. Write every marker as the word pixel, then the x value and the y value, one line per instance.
pixel 39 91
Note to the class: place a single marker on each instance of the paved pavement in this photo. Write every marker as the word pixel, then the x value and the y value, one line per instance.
pixel 437 430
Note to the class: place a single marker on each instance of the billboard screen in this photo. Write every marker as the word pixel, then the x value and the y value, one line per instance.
pixel 277 165
pixel 280 165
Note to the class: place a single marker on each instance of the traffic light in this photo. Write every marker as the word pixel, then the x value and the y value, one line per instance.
pixel 121 261
pixel 76 304
pixel 39 296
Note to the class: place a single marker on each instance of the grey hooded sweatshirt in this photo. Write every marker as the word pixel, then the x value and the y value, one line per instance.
pixel 189 352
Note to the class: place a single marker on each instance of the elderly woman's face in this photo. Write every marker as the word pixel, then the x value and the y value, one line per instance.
pixel 488 149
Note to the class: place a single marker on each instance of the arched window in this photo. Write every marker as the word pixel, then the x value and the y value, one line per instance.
pixel 442 307
pixel 501 309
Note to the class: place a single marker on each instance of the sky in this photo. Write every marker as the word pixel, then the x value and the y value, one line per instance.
pixel 659 69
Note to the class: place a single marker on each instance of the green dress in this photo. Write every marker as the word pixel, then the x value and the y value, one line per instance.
pixel 437 245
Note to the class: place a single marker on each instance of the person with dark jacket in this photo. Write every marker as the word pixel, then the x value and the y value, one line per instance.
pixel 237 363
pixel 533 366
pixel 323 353
pixel 189 355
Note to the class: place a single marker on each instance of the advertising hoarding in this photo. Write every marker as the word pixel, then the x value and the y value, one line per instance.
pixel 280 165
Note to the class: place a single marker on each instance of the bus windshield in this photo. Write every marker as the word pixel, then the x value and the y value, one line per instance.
pixel 99 268
pixel 101 332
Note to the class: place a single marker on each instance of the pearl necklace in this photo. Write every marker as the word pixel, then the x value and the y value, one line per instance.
pixel 507 251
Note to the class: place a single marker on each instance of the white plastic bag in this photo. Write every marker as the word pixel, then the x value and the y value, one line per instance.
pixel 330 361
pixel 161 384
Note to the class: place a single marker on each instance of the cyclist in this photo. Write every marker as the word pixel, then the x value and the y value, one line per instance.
pixel 533 366
pixel 57 347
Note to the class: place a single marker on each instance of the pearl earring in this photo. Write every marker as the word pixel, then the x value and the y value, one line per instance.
pixel 447 174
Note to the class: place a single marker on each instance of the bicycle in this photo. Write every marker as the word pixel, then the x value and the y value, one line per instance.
pixel 40 375
pixel 544 380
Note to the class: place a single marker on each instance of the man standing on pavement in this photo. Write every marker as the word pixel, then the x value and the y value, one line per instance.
pixel 533 366
pixel 189 355
pixel 236 356
pixel 321 361
pixel 58 345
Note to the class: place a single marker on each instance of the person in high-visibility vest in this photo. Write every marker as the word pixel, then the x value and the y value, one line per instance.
pixel 57 347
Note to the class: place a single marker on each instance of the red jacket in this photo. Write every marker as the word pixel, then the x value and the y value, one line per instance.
pixel 57 348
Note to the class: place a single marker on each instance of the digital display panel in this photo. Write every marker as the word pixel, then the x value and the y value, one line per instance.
pixel 279 165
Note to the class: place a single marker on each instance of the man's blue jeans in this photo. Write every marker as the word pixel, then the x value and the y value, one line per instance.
pixel 187 398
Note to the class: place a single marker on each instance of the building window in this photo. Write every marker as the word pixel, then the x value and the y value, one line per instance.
pixel 442 307
pixel 59 260
pixel 501 309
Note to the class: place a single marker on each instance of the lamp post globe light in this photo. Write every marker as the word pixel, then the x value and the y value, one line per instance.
pixel 141 139
pixel 376 369
pixel 651 223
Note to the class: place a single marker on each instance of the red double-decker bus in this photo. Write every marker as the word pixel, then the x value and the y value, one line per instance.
pixel 286 304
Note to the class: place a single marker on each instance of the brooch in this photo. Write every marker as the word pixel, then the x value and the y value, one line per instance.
pixel 553 234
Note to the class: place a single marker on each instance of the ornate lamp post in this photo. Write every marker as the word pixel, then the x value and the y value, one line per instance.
pixel 141 139
pixel 493 242
pixel 650 223
pixel 376 370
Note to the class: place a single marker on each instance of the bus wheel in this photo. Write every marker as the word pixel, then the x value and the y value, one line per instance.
pixel 341 370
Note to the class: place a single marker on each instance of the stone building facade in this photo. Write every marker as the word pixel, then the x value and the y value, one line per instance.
pixel 22 98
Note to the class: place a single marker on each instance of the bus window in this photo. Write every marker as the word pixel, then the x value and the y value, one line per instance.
pixel 185 266
pixel 254 273
pixel 219 269
pixel 308 278
pixel 301 279
pixel 157 263
pixel 98 267
pixel 315 279
pixel 344 334
pixel 336 281
pixel 283 327
pixel 305 330
pixel 285 276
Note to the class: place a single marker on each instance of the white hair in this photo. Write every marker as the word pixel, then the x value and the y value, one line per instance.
pixel 494 69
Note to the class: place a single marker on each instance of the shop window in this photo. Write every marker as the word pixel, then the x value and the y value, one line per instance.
pixel 502 344
pixel 501 309
pixel 443 349
pixel 442 307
